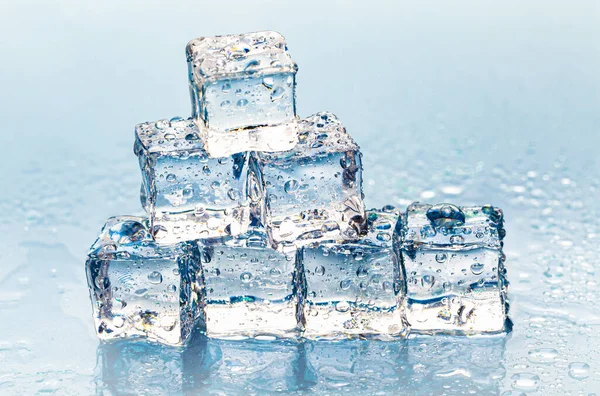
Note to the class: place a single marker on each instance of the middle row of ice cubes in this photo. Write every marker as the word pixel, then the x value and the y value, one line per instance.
pixel 308 194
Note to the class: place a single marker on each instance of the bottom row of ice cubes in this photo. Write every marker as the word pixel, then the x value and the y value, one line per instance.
pixel 240 287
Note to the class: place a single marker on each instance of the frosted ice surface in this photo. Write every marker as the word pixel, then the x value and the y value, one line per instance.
pixel 354 289
pixel 314 191
pixel 187 194
pixel 250 288
pixel 242 89
pixel 141 289
pixel 454 266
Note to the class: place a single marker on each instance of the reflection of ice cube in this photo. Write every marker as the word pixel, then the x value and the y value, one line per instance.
pixel 243 92
pixel 250 288
pixel 354 288
pixel 314 191
pixel 140 289
pixel 471 365
pixel 253 367
pixel 187 194
pixel 371 367
pixel 125 367
pixel 454 266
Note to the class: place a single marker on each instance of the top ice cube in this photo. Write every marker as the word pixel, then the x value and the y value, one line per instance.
pixel 244 81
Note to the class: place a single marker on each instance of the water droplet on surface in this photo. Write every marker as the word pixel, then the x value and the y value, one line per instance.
pixel 242 103
pixel 171 177
pixel 155 277
pixel 441 257
pixel 225 103
pixel 579 370
pixel 342 306
pixel 345 284
pixel 320 270
pixel 543 355
pixel 226 87
pixel 525 381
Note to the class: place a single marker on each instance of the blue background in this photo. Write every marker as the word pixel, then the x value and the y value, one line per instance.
pixel 461 101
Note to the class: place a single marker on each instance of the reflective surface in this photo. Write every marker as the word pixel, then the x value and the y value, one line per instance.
pixel 469 102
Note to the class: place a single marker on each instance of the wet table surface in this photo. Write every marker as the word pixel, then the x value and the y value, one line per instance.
pixel 469 103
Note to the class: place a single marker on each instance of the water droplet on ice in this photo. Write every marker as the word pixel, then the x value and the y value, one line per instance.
pixel 345 284
pixel 320 270
pixel 428 281
pixel 445 215
pixel 477 268
pixel 291 186
pixel 242 102
pixel 246 277
pixel 277 93
pixel 155 277
pixel 268 82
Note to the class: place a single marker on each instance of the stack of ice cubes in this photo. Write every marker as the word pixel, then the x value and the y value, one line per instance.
pixel 257 227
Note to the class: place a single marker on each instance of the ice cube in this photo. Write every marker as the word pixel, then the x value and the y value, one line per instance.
pixel 454 266
pixel 187 194
pixel 141 289
pixel 354 289
pixel 242 89
pixel 314 191
pixel 250 288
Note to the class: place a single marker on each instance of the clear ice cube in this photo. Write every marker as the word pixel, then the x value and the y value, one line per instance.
pixel 454 265
pixel 187 194
pixel 250 288
pixel 354 289
pixel 314 191
pixel 242 89
pixel 141 289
